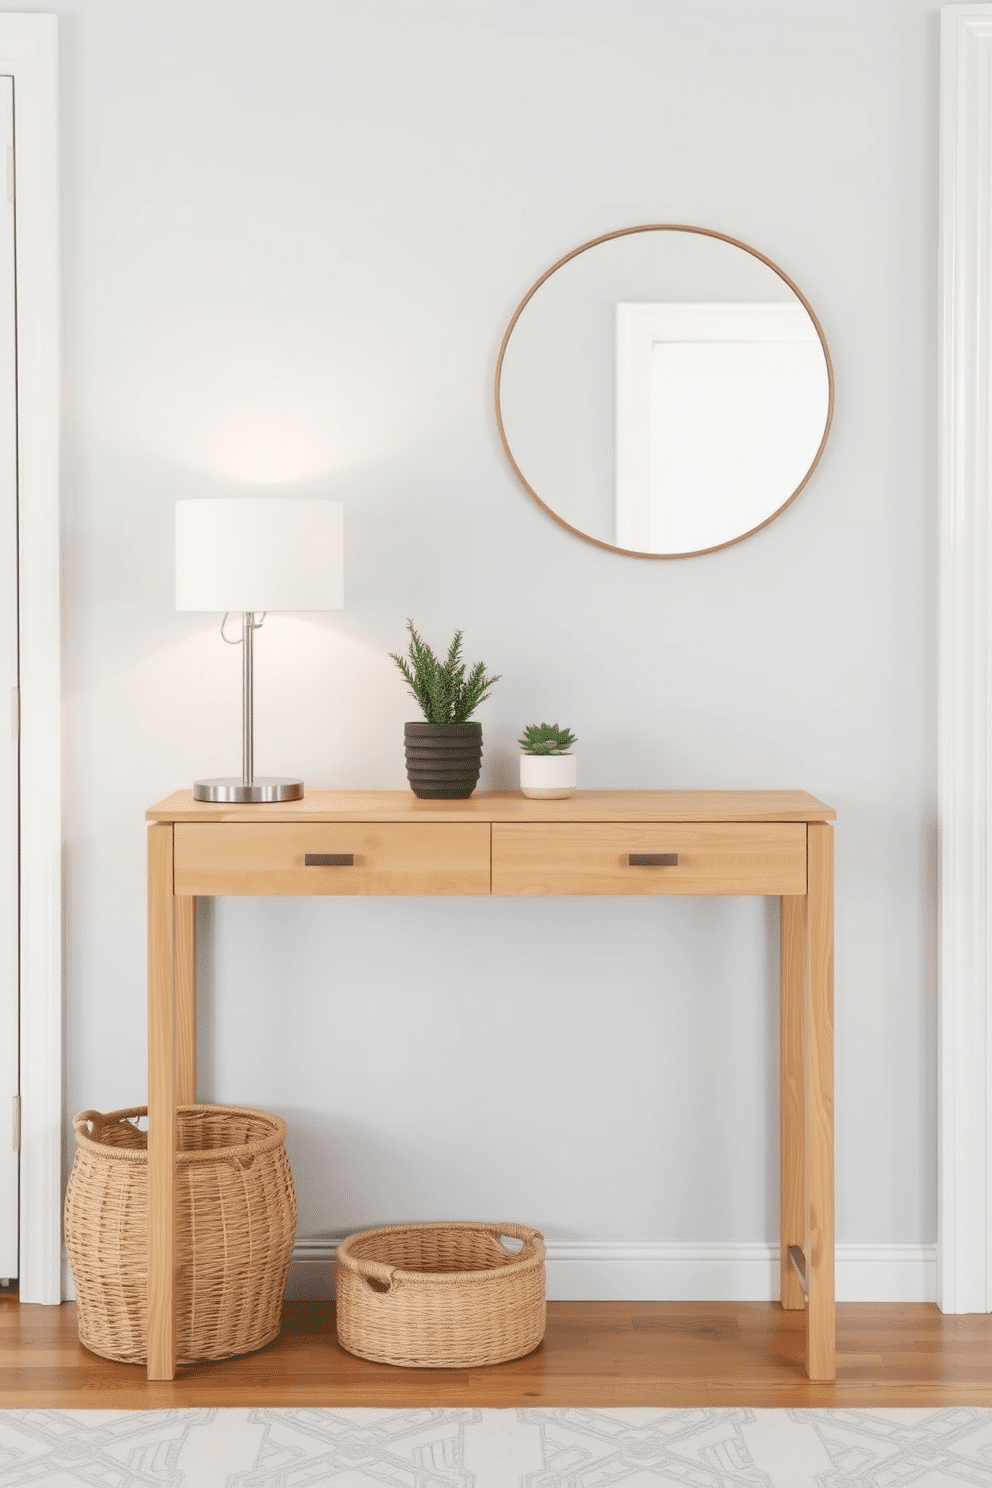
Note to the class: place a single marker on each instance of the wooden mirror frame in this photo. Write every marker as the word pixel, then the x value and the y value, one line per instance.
pixel 624 232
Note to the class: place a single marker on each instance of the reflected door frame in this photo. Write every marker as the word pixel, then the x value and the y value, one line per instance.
pixel 728 326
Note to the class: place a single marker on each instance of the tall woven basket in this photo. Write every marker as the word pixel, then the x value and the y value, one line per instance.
pixel 441 1296
pixel 235 1226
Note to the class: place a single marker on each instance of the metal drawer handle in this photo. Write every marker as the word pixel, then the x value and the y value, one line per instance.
pixel 329 860
pixel 653 860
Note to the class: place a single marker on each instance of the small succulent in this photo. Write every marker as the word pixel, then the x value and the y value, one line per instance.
pixel 546 738
pixel 441 688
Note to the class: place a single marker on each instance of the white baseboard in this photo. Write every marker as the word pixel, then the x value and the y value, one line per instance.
pixel 886 1273
pixel 632 1271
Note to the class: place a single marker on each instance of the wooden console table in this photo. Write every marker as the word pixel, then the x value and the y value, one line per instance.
pixel 594 842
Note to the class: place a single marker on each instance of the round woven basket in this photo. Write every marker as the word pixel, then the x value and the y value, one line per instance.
pixel 235 1227
pixel 440 1296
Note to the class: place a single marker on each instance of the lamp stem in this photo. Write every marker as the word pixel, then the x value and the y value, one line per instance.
pixel 247 790
pixel 247 696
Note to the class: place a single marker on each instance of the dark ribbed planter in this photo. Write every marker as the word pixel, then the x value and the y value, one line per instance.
pixel 443 760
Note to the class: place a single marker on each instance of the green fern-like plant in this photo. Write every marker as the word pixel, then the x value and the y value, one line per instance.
pixel 546 738
pixel 444 692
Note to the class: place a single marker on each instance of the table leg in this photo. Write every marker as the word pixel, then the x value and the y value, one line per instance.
pixel 792 1117
pixel 161 1106
pixel 185 1000
pixel 818 1062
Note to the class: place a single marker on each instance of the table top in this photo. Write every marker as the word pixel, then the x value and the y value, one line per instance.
pixel 508 806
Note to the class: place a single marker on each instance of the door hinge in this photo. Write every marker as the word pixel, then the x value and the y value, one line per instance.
pixel 16 1122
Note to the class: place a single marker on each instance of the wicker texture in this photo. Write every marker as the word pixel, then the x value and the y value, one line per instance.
pixel 235 1227
pixel 440 1296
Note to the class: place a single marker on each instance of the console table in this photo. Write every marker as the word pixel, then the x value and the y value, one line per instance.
pixel 594 842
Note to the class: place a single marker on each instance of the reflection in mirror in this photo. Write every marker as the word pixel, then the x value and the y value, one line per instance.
pixel 664 391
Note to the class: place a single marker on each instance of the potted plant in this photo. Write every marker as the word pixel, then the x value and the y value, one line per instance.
pixel 547 764
pixel 444 753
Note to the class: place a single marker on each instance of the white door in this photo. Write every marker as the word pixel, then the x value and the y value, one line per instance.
pixel 9 959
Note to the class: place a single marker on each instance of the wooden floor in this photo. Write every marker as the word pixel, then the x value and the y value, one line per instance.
pixel 594 1353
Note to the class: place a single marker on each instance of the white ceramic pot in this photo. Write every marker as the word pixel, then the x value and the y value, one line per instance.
pixel 547 776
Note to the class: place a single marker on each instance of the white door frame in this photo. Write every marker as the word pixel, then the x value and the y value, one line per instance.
pixel 9 784
pixel 29 54
pixel 965 798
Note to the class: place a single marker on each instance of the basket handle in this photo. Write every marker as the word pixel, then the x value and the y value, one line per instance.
pixel 87 1122
pixel 377 1276
pixel 92 1123
pixel 516 1232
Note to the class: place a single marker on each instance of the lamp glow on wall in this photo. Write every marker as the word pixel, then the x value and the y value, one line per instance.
pixel 257 555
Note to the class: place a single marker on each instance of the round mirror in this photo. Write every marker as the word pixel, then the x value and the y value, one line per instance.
pixel 664 391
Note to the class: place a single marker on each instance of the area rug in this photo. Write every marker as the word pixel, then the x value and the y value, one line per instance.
pixel 630 1448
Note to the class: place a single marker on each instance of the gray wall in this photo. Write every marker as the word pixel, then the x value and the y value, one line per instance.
pixel 293 233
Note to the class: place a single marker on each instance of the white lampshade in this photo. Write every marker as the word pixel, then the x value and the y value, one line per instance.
pixel 259 553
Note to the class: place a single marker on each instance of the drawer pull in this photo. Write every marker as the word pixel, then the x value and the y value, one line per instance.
pixel 653 860
pixel 329 860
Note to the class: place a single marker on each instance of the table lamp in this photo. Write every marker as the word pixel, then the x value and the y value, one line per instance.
pixel 257 555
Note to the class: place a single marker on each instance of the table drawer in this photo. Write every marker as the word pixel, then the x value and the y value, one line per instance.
pixel 694 858
pixel 386 858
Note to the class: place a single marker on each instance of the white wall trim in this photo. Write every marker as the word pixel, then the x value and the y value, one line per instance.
pixel 965 1057
pixel 29 53
pixel 650 1271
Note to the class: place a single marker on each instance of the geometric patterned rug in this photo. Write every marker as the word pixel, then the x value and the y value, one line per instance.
pixel 476 1448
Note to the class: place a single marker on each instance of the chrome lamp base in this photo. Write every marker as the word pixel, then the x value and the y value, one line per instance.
pixel 263 788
